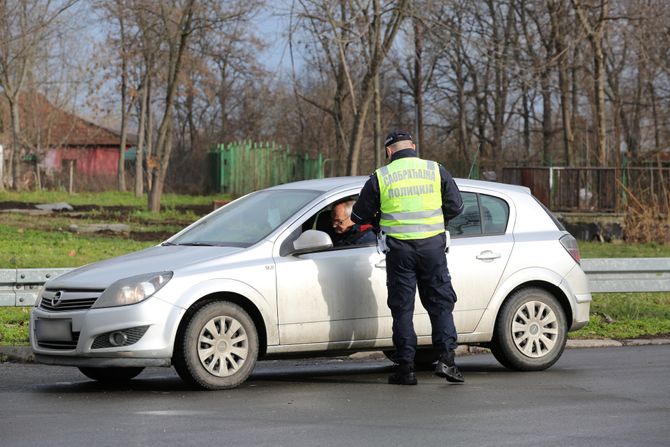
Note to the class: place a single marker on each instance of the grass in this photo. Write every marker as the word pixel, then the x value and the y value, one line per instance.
pixel 27 248
pixel 623 250
pixel 627 315
pixel 14 327
pixel 108 198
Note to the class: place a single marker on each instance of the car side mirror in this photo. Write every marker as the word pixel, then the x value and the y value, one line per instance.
pixel 312 240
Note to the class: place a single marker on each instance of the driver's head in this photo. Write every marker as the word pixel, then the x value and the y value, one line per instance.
pixel 340 216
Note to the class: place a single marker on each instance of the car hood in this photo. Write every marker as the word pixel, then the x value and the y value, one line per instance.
pixel 101 274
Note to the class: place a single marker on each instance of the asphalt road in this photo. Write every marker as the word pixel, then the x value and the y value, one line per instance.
pixel 591 397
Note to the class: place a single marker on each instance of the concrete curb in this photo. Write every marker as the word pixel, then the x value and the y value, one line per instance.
pixel 24 354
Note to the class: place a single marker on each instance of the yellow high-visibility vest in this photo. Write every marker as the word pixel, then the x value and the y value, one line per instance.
pixel 411 199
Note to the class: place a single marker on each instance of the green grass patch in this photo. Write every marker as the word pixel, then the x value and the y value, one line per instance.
pixel 14 322
pixel 623 250
pixel 627 315
pixel 27 248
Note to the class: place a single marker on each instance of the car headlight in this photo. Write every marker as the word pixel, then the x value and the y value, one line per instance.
pixel 132 290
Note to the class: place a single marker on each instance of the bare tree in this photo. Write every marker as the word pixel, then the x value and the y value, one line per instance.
pixel 24 26
pixel 176 26
pixel 593 18
pixel 559 29
pixel 355 25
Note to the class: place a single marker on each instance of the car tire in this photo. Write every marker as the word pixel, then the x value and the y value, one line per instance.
pixel 218 347
pixel 530 332
pixel 111 375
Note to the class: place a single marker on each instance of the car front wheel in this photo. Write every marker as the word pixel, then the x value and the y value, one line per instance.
pixel 530 332
pixel 218 348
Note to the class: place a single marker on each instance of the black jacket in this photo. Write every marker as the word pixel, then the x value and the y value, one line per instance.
pixel 367 207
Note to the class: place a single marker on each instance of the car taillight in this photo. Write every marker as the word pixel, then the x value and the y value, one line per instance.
pixel 570 244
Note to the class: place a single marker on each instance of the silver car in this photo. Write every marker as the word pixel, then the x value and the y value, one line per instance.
pixel 260 278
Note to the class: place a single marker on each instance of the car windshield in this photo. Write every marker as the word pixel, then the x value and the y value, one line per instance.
pixel 247 220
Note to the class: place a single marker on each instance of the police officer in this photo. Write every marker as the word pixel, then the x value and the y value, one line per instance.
pixel 413 199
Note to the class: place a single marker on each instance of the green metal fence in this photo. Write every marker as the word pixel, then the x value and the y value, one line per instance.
pixel 241 167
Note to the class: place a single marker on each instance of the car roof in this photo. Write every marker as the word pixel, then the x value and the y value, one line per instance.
pixel 324 184
pixel 333 183
pixel 494 186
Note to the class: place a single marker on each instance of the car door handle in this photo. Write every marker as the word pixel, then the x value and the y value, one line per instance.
pixel 488 255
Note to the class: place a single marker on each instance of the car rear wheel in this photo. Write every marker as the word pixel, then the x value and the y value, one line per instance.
pixel 531 331
pixel 218 348
pixel 111 375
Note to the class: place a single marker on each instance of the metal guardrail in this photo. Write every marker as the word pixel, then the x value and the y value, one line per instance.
pixel 628 274
pixel 19 287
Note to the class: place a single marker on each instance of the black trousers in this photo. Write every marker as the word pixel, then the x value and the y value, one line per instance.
pixel 422 263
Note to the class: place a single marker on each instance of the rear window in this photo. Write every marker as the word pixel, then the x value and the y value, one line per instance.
pixel 558 224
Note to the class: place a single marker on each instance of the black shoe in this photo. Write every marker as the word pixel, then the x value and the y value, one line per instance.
pixel 400 378
pixel 451 373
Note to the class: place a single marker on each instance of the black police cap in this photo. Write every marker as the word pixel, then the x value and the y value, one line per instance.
pixel 397 135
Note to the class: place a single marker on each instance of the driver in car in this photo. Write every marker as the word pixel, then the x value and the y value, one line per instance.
pixel 345 231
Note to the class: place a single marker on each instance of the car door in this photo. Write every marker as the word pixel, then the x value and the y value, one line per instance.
pixel 481 244
pixel 335 296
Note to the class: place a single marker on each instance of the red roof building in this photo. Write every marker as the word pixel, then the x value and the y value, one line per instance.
pixel 56 139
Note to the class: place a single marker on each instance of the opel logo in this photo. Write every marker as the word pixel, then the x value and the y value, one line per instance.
pixel 56 299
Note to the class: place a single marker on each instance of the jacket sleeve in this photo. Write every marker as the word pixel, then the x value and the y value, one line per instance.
pixel 452 203
pixel 367 206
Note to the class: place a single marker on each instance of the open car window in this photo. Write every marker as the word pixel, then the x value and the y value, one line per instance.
pixel 321 220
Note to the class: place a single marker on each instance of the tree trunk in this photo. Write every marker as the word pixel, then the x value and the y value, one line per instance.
pixel 557 12
pixel 377 134
pixel 418 85
pixel 574 104
pixel 121 169
pixel 599 87
pixel 121 174
pixel 357 135
pixel 139 152
pixel 526 122
pixel 547 128
pixel 149 156
pixel 164 144
pixel 595 35
pixel 15 153
pixel 379 50
pixel 657 133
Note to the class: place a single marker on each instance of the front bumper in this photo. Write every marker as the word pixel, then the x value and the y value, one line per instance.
pixel 158 319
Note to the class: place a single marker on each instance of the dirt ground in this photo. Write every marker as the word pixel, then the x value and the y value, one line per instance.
pixel 115 214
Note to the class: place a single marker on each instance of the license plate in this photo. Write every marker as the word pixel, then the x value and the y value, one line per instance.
pixel 54 330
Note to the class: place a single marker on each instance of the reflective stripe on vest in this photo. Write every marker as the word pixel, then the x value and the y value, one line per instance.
pixel 411 198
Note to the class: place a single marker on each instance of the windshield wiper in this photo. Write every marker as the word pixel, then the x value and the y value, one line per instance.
pixel 197 244
pixel 165 244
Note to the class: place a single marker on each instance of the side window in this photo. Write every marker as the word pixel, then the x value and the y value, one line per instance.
pixel 495 214
pixel 482 214
pixel 322 220
pixel 469 221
